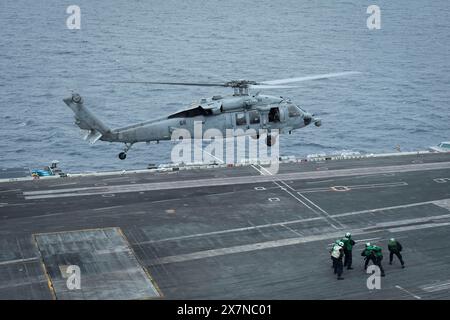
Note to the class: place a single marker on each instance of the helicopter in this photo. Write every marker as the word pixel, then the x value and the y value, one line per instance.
pixel 241 110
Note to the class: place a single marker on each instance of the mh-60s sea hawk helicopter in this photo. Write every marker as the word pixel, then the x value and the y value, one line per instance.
pixel 241 110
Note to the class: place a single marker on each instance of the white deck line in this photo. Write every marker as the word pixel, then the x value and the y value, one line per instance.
pixel 168 167
pixel 84 191
pixel 289 241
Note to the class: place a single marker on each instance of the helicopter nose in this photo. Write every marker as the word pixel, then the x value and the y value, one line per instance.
pixel 317 122
pixel 307 118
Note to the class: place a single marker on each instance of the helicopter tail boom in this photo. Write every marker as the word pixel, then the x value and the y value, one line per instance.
pixel 85 119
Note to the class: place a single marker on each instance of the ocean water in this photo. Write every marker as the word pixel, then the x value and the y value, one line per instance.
pixel 401 98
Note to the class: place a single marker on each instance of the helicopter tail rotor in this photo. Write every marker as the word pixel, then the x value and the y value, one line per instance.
pixel 85 119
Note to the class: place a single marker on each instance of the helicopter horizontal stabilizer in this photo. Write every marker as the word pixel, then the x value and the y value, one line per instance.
pixel 93 136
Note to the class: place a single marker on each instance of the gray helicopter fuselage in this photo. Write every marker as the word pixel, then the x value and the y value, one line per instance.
pixel 220 117
pixel 238 113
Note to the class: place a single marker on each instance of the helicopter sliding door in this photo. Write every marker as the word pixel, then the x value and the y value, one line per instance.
pixel 274 115
pixel 277 115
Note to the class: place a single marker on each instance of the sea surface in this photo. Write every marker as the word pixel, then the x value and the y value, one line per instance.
pixel 400 99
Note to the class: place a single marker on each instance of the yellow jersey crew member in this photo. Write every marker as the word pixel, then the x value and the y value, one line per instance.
pixel 337 253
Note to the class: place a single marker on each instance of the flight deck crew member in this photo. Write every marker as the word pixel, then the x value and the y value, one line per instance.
pixel 374 254
pixel 395 248
pixel 333 265
pixel 348 247
pixel 378 257
pixel 337 254
pixel 368 255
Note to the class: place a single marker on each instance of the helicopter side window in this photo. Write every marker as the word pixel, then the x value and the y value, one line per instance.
pixel 293 111
pixel 254 117
pixel 274 115
pixel 240 119
pixel 190 113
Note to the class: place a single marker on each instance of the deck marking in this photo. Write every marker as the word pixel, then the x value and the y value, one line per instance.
pixel 44 194
pixel 283 223
pixel 267 245
pixel 444 203
pixel 107 208
pixel 44 269
pixel 441 180
pixel 18 261
pixel 62 184
pixel 439 286
pixel 289 222
pixel 245 248
pixel 11 190
pixel 92 249
pixel 327 216
pixel 115 179
pixel 409 205
pixel 292 230
pixel 321 181
pixel 344 188
pixel 411 294
pixel 418 227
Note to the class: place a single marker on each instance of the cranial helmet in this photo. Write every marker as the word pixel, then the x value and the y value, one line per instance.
pixel 368 244
pixel 348 235
pixel 341 243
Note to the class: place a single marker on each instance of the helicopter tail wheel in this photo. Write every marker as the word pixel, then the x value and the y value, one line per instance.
pixel 122 156
pixel 270 140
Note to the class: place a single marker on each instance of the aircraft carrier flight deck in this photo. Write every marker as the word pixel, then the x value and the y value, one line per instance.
pixel 229 233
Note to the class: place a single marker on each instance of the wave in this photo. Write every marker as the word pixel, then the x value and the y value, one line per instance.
pixel 26 123
pixel 419 130
pixel 312 144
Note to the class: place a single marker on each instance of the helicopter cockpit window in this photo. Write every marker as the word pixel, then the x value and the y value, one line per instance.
pixel 254 117
pixel 240 119
pixel 293 111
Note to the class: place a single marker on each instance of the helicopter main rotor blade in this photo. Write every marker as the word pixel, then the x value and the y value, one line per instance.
pixel 265 86
pixel 178 83
pixel 307 78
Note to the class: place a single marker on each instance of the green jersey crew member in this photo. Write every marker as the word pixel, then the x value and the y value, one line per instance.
pixel 348 247
pixel 395 248
pixel 373 253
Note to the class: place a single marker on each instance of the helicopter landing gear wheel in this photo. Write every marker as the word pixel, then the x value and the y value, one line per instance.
pixel 122 156
pixel 271 140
